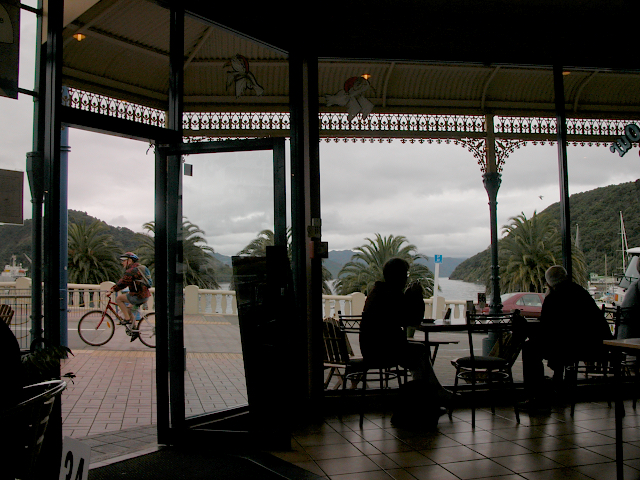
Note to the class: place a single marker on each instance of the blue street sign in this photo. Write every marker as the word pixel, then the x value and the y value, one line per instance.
pixel 438 258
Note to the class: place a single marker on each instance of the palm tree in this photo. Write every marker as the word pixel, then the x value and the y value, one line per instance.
pixel 530 247
pixel 92 254
pixel 365 267
pixel 266 238
pixel 258 246
pixel 196 255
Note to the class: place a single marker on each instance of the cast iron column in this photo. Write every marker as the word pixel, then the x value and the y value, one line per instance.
pixel 175 268
pixel 306 224
pixel 565 218
pixel 491 181
pixel 55 301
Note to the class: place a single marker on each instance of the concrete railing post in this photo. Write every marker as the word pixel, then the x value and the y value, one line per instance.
pixel 191 294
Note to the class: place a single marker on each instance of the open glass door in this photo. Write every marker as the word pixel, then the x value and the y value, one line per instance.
pixel 213 191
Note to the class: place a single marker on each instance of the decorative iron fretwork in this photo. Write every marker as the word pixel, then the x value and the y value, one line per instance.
pixel 478 147
pixel 467 130
pixel 504 148
pixel 402 123
pixel 92 102
pixel 201 123
pixel 580 131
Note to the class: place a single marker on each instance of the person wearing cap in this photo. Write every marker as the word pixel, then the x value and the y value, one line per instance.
pixel 138 293
pixel 571 326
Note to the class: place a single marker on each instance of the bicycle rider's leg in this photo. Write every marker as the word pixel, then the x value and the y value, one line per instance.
pixel 136 304
pixel 121 301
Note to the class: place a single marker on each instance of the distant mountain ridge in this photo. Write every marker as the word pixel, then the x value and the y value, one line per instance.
pixel 16 240
pixel 338 258
pixel 597 215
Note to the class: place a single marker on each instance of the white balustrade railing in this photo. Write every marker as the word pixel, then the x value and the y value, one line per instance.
pixel 202 301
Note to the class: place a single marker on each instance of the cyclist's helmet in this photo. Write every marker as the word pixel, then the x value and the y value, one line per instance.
pixel 130 255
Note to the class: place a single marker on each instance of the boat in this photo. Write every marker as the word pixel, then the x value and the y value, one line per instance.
pixel 12 272
pixel 610 289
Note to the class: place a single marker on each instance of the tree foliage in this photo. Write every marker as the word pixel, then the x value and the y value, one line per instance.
pixel 597 213
pixel 92 254
pixel 196 255
pixel 365 267
pixel 266 238
pixel 529 248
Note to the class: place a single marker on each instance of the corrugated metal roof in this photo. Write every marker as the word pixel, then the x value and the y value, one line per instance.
pixel 126 55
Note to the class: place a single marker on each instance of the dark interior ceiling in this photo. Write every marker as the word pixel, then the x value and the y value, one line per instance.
pixel 577 33
pixel 459 57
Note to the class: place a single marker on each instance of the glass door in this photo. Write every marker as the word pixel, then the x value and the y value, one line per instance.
pixel 223 198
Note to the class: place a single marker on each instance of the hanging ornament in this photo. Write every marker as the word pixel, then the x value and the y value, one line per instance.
pixel 238 73
pixel 352 97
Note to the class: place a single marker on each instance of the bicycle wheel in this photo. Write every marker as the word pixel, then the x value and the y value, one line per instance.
pixel 96 328
pixel 147 330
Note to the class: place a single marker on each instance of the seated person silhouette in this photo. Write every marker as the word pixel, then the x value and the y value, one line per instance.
pixel 571 327
pixel 388 309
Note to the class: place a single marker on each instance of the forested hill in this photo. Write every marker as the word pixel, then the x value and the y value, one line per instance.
pixel 16 239
pixel 597 214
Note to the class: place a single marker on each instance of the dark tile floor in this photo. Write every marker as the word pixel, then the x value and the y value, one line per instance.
pixel 550 446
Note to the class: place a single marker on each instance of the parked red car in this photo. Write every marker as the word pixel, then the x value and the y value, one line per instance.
pixel 529 304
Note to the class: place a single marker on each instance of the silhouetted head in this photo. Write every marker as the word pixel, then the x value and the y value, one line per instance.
pixel 555 275
pixel 395 272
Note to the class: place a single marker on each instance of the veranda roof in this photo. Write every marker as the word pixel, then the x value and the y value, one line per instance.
pixel 438 57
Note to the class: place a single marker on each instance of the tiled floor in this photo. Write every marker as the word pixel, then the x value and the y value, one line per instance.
pixel 549 447
pixel 111 406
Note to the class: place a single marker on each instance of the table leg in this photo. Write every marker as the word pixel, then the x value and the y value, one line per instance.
pixel 435 353
pixel 619 415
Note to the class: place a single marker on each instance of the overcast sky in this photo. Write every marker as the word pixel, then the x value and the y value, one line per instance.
pixel 432 194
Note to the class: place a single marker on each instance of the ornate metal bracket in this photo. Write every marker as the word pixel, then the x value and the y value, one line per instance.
pixel 478 147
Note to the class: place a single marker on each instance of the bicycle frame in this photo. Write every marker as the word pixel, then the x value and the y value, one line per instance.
pixel 110 307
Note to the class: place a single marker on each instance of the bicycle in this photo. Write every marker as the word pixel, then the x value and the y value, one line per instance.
pixel 97 327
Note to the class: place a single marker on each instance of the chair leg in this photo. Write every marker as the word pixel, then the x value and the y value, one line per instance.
pixel 490 386
pixel 514 396
pixel 473 398
pixel 571 374
pixel 363 395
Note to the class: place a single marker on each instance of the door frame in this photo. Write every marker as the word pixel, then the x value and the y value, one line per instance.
pixel 170 357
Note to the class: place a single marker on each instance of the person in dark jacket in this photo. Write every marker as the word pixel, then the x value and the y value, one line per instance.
pixel 138 293
pixel 389 309
pixel 571 326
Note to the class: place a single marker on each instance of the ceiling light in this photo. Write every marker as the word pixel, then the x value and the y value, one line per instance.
pixel 366 76
pixel 79 36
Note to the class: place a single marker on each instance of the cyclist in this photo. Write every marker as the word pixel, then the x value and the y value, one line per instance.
pixel 138 293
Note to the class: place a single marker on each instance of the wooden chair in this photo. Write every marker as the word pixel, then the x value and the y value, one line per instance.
pixel 358 369
pixel 495 368
pixel 6 314
pixel 598 367
pixel 337 351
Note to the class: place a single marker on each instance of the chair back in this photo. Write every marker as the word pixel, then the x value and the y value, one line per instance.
pixel 616 316
pixel 30 419
pixel 336 351
pixel 485 322
pixel 6 314
pixel 350 323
